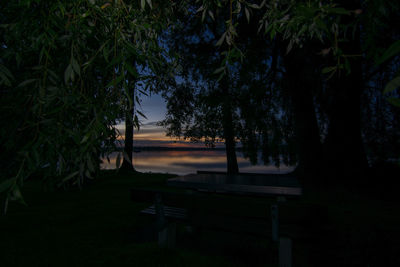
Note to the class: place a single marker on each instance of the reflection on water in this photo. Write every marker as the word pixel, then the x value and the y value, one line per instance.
pixel 185 162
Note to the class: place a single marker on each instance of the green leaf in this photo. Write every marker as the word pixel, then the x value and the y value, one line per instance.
pixel 136 122
pixel 328 69
pixel 5 70
pixel 75 66
pixel 339 11
pixel 254 6
pixel 221 76
pixel 90 165
pixel 5 76
pixel 24 83
pixel 106 52
pixel 149 2
pixel 4 80
pixel 142 3
pixel 394 101
pixel 68 74
pixel 200 9
pixel 7 184
pixel 85 138
pixel 392 85
pixel 211 14
pixel 221 40
pixel 70 176
pixel 16 195
pixel 203 15
pixel 247 14
pixel 260 27
pixel 321 24
pixel 393 50
pixel 141 114
pixel 131 70
pixel 88 175
pixel 219 70
pixel 143 92
pixel 116 81
pixel 132 49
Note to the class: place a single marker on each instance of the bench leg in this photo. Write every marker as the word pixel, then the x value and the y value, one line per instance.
pixel 162 237
pixel 167 236
pixel 285 252
pixel 275 222
pixel 171 232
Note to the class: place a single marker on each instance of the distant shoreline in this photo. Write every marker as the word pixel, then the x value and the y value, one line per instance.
pixel 165 148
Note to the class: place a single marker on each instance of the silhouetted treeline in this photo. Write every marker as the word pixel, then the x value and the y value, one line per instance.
pixel 318 103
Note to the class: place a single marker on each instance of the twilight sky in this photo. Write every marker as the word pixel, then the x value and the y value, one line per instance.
pixel 154 107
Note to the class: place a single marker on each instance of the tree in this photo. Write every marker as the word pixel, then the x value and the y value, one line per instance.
pixel 208 111
pixel 331 111
pixel 232 92
pixel 61 81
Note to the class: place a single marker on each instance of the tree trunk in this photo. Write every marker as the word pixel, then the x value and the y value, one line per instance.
pixel 229 133
pixel 127 163
pixel 344 151
pixel 299 85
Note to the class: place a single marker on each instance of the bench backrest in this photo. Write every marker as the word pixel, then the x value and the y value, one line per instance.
pixel 150 195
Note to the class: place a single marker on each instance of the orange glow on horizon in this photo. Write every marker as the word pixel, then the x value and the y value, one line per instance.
pixel 153 137
pixel 164 140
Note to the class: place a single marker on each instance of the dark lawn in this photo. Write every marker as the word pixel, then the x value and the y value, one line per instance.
pixel 100 226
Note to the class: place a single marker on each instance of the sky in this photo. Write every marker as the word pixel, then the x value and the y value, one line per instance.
pixel 150 134
pixel 154 108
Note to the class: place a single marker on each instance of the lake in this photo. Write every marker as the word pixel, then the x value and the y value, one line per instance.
pixel 185 162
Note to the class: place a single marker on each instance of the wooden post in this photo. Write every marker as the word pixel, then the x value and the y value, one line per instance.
pixel 285 252
pixel 161 222
pixel 163 238
pixel 275 222
pixel 171 235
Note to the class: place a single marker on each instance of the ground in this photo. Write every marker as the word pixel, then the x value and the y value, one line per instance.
pixel 99 226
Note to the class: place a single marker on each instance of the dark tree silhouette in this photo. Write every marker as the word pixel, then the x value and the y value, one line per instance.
pixel 127 163
pixel 210 99
pixel 300 85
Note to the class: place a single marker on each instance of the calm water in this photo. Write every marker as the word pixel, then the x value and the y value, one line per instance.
pixel 185 162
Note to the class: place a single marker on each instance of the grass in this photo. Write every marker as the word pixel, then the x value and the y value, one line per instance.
pixel 92 227
pixel 98 226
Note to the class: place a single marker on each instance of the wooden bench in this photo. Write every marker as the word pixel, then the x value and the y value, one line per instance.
pixel 205 210
pixel 219 212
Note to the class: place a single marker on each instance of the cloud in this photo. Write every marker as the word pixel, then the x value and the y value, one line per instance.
pixel 152 123
pixel 148 131
pixel 198 165
pixel 150 134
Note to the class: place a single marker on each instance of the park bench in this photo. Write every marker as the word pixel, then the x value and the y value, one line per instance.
pixel 216 212
pixel 237 204
pixel 212 211
pixel 200 211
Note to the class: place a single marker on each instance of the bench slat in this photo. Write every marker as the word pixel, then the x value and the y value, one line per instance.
pixel 169 212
